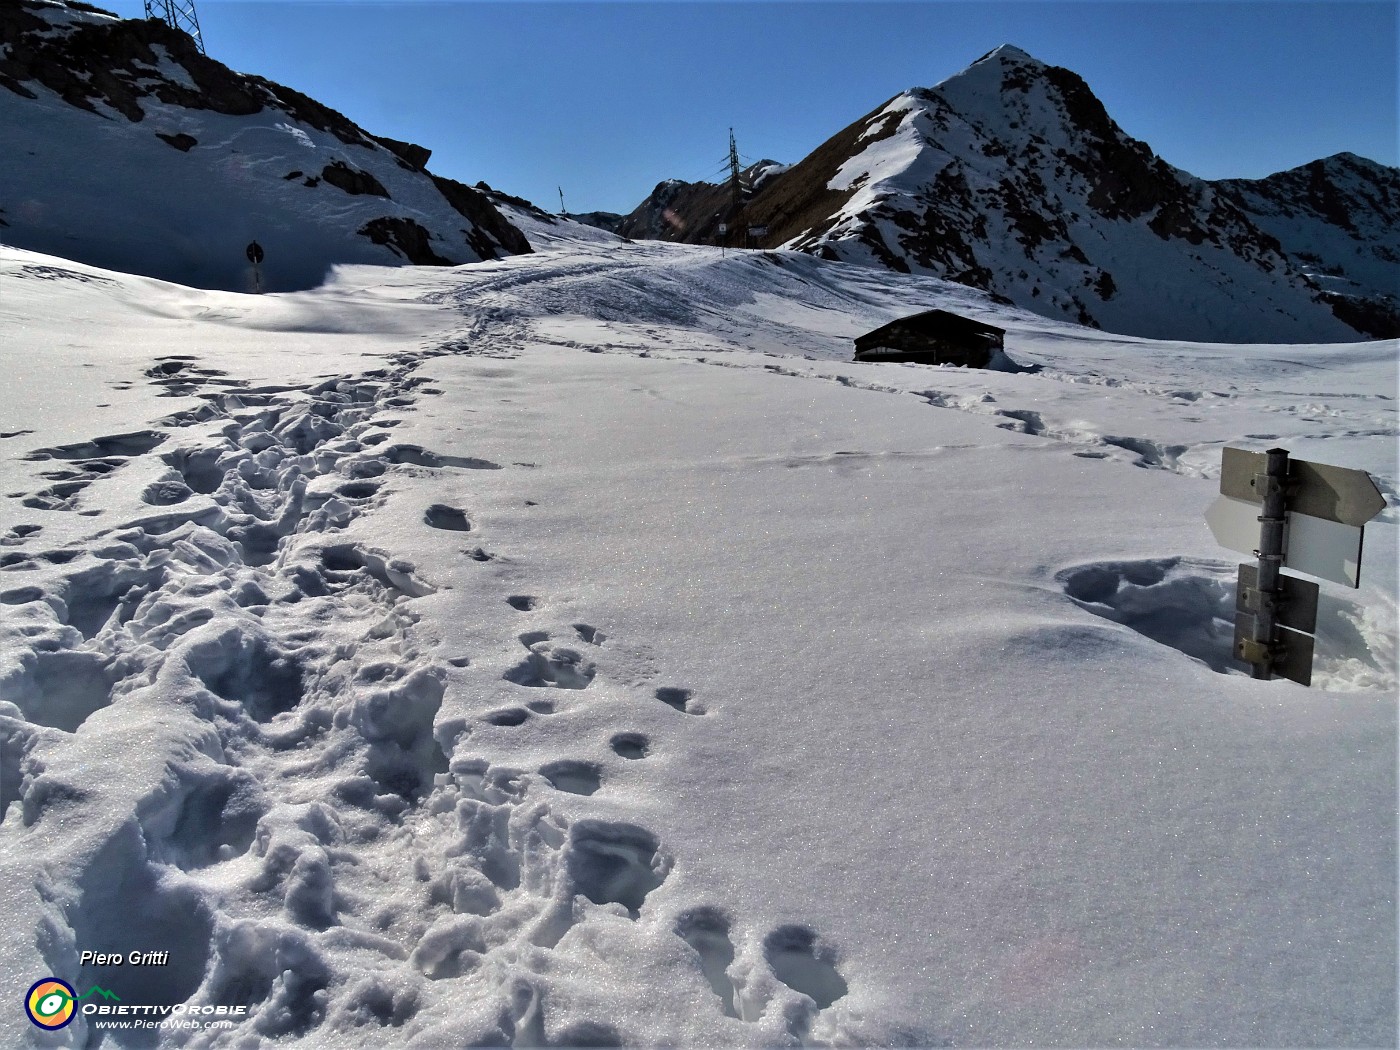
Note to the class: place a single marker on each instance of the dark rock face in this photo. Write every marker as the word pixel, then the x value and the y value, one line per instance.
pixel 489 225
pixel 1376 316
pixel 404 237
pixel 679 211
pixel 599 220
pixel 497 197
pixel 769 195
pixel 351 180
pixel 113 62
pixel 413 156
pixel 182 142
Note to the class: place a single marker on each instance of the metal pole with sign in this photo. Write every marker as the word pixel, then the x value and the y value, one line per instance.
pixel 1295 514
pixel 254 252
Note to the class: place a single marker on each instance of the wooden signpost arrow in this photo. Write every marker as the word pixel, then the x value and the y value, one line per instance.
pixel 1288 512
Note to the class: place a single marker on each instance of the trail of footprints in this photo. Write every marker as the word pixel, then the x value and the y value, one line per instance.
pixel 304 654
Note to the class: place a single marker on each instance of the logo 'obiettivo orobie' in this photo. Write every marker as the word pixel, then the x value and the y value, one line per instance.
pixel 50 1003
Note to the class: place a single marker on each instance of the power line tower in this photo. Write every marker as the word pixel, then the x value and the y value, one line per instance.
pixel 734 188
pixel 178 14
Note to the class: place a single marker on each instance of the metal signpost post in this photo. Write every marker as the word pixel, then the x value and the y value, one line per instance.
pixel 1295 514
pixel 254 253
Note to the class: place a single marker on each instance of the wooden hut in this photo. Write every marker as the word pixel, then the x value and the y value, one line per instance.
pixel 934 337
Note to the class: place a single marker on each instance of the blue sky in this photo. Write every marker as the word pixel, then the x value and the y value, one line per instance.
pixel 607 99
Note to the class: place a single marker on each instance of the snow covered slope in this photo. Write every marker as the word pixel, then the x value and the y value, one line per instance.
pixel 125 147
pixel 578 649
pixel 1336 219
pixel 1011 177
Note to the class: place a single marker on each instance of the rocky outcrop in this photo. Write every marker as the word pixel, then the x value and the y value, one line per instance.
pixel 116 63
pixel 406 238
pixel 352 180
pixel 490 226
pixel 415 157
pixel 180 141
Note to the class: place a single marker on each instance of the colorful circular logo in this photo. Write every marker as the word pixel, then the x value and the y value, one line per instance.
pixel 49 1003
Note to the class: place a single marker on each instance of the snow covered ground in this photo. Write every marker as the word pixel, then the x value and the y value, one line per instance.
pixel 579 649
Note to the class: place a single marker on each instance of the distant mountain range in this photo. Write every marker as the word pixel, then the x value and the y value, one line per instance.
pixel 125 147
pixel 1012 177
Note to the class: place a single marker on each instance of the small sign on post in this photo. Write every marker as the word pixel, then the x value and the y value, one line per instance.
pixel 254 252
pixel 1288 512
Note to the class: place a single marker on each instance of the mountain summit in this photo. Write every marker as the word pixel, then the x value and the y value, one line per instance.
pixel 127 148
pixel 1012 177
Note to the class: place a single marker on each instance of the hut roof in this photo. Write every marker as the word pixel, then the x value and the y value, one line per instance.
pixel 939 322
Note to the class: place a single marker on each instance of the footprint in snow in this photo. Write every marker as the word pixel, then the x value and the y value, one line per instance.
pixel 440 516
pixel 681 700
pixel 506 716
pixel 550 666
pixel 804 964
pixel 630 745
pixel 706 930
pixel 577 778
pixel 794 954
pixel 590 634
pixel 413 455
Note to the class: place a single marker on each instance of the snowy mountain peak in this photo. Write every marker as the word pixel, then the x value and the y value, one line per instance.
pixel 1009 53
pixel 1012 177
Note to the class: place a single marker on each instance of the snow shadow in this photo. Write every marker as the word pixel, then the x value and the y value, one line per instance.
pixel 801 962
pixel 1187 605
pixel 550 666
pixel 124 892
pixel 706 930
pixel 1190 606
pixel 67 687
pixel 615 863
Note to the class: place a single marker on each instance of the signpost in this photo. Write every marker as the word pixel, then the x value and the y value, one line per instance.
pixel 254 252
pixel 1288 512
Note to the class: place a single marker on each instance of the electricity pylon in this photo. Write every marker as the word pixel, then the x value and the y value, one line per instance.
pixel 178 14
pixel 734 188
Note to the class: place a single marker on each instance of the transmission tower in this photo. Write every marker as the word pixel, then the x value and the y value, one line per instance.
pixel 178 14
pixel 734 188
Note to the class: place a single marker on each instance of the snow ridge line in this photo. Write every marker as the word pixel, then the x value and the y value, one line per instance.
pixel 300 764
